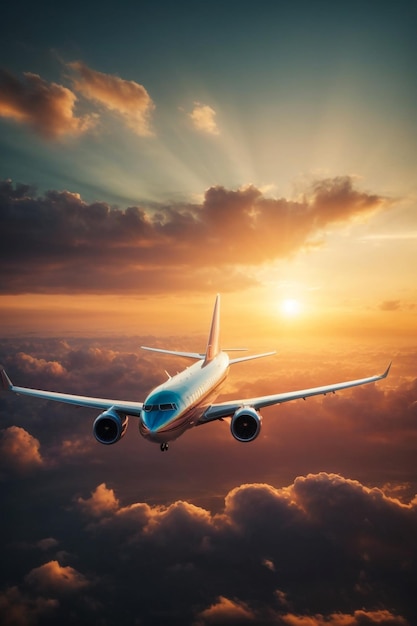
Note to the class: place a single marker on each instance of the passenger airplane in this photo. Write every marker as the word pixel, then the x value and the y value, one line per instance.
pixel 185 400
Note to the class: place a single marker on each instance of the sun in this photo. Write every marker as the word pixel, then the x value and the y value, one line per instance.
pixel 290 307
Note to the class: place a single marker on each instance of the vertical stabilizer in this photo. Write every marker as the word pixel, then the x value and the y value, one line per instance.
pixel 213 344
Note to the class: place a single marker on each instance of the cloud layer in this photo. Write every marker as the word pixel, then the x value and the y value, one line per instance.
pixel 98 534
pixel 57 242
pixel 343 554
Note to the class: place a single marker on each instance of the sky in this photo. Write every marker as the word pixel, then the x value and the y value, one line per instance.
pixel 153 154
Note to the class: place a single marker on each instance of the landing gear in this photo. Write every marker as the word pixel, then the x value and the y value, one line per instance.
pixel 164 447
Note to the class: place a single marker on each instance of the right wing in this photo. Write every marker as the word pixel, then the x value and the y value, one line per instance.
pixel 228 408
pixel 130 408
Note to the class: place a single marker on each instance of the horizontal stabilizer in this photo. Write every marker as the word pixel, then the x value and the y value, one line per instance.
pixel 250 357
pixel 187 355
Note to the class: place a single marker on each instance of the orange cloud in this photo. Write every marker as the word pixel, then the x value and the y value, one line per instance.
pixel 19 450
pixel 128 99
pixel 30 364
pixel 102 501
pixel 48 108
pixel 70 245
pixel 358 618
pixel 55 578
pixel 203 119
pixel 226 611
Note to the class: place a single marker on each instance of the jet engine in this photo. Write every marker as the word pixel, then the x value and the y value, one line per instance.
pixel 246 424
pixel 110 426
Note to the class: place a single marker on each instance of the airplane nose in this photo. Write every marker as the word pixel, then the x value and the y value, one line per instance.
pixel 151 421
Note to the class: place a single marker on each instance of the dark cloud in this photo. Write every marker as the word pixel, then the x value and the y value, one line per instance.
pixel 98 534
pixel 58 243
pixel 51 577
pixel 48 108
pixel 343 554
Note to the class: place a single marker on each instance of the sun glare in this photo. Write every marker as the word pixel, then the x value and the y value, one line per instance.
pixel 290 307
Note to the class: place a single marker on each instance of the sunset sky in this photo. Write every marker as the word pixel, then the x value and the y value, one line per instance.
pixel 153 154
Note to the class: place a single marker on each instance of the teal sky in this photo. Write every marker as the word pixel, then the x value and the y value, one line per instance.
pixel 262 145
pixel 297 90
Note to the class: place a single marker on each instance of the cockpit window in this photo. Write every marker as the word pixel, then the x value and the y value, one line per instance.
pixel 168 406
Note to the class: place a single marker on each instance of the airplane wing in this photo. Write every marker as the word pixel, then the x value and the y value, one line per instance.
pixel 129 408
pixel 228 408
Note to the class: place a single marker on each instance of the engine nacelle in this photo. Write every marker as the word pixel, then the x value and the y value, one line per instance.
pixel 246 424
pixel 110 426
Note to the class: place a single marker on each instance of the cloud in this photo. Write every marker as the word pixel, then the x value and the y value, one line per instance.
pixel 226 611
pixel 324 533
pixel 102 501
pixel 20 609
pixel 47 544
pixel 390 305
pixel 203 119
pixel 344 555
pixel 53 578
pixel 128 99
pixel 19 450
pixel 59 243
pixel 48 108
pixel 229 612
pixel 358 618
pixel 30 364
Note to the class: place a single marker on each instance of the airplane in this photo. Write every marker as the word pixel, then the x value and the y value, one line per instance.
pixel 186 399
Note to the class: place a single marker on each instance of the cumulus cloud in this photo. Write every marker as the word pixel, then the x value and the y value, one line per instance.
pixel 21 609
pixel 226 611
pixel 203 118
pixel 19 450
pixel 30 364
pixel 102 501
pixel 323 533
pixel 59 242
pixel 126 98
pixel 344 555
pixel 48 108
pixel 52 578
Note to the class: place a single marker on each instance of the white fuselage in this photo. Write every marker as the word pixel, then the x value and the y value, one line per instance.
pixel 177 404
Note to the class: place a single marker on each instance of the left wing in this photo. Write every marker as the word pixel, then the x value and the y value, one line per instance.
pixel 228 408
pixel 130 408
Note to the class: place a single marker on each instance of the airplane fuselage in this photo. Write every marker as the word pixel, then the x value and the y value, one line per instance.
pixel 175 405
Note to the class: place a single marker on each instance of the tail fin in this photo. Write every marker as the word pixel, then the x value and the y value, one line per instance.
pixel 213 343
